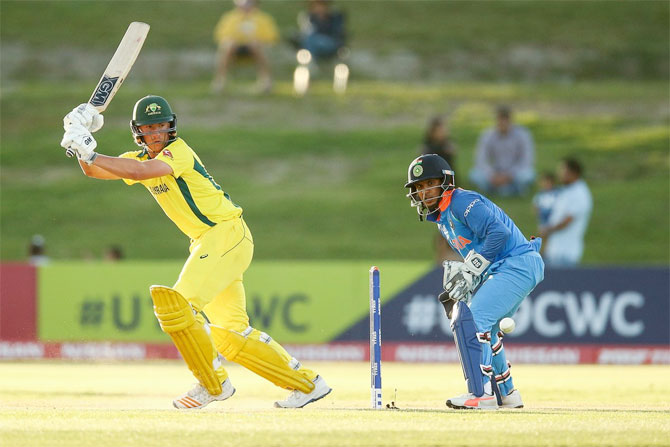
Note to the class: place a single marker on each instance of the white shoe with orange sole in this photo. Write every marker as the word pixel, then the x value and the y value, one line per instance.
pixel 199 397
pixel 471 402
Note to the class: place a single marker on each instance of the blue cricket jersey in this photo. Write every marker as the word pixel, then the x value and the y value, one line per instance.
pixel 470 221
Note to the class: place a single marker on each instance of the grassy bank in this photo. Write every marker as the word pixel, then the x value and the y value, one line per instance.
pixel 321 177
pixel 484 40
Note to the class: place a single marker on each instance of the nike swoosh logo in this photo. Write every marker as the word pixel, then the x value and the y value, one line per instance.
pixel 203 256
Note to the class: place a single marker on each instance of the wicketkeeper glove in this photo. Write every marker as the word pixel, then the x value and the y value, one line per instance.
pixel 476 263
pixel 461 279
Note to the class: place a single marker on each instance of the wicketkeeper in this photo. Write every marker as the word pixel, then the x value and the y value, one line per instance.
pixel 500 268
pixel 210 282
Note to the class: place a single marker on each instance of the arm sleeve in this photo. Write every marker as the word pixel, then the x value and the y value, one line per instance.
pixel 178 157
pixel 470 210
pixel 131 154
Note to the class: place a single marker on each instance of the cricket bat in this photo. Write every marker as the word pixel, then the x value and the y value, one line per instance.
pixel 118 68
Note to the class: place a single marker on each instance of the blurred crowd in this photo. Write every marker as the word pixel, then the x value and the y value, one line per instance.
pixel 504 166
pixel 504 162
pixel 504 155
pixel 37 252
pixel 245 34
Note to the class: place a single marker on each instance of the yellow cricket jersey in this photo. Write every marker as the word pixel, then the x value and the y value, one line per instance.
pixel 190 197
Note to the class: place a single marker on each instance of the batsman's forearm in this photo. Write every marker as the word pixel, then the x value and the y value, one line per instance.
pixel 123 167
pixel 96 172
pixel 88 170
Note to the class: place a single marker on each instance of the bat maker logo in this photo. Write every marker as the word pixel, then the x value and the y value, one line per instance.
pixel 101 93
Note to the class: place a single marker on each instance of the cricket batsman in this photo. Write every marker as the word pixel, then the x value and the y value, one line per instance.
pixel 500 268
pixel 204 313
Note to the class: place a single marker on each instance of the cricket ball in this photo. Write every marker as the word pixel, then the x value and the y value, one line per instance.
pixel 507 325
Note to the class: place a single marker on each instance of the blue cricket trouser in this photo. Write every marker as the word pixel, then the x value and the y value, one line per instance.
pixel 509 281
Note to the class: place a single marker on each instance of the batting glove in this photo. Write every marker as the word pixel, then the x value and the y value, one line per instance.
pixel 77 138
pixel 85 115
pixel 461 284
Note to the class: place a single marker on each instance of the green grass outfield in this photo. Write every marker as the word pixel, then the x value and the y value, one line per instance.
pixel 322 177
pixel 471 40
pixel 100 404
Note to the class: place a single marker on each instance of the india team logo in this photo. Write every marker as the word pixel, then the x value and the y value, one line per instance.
pixel 417 170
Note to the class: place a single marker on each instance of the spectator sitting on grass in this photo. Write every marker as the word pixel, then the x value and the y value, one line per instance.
pixel 321 30
pixel 244 31
pixel 114 253
pixel 37 251
pixel 504 162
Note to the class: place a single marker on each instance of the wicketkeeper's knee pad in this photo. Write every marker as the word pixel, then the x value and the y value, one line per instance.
pixel 257 352
pixel 469 347
pixel 190 336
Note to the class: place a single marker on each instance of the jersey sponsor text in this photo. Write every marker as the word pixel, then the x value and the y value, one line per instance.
pixel 160 189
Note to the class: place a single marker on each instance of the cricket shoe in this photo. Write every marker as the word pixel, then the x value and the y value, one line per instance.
pixel 298 399
pixel 198 397
pixel 512 400
pixel 471 402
